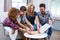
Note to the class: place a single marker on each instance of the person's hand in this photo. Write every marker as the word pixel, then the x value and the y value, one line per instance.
pixel 13 31
pixel 29 32
pixel 32 32
pixel 32 28
pixel 27 28
pixel 50 22
pixel 38 28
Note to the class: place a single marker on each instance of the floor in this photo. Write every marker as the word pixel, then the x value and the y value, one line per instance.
pixel 55 35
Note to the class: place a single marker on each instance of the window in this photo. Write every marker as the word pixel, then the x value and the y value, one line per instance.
pixel 55 8
pixel 14 3
pixel 19 3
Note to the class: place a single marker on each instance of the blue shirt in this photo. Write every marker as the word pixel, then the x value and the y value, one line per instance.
pixel 44 19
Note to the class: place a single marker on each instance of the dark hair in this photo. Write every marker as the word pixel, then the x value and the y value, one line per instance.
pixel 42 5
pixel 23 8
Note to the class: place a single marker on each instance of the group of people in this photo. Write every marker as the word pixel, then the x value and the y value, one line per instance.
pixel 27 20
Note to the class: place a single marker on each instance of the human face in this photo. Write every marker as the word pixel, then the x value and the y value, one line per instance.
pixel 31 9
pixel 42 10
pixel 22 13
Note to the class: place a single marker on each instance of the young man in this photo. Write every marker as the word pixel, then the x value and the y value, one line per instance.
pixel 45 17
pixel 22 21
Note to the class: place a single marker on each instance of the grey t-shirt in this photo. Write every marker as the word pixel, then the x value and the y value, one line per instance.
pixel 22 19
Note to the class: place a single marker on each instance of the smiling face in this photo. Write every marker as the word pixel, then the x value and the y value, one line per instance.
pixel 31 9
pixel 42 10
pixel 22 10
pixel 22 13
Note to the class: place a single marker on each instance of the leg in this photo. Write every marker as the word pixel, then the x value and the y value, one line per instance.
pixel 45 39
pixel 26 38
pixel 49 33
pixel 21 32
pixel 41 39
pixel 35 27
pixel 29 39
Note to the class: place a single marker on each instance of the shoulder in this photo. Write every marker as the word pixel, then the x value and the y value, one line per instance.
pixel 7 20
pixel 48 12
pixel 39 13
pixel 35 13
pixel 18 18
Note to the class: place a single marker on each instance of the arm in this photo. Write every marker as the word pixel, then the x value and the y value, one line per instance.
pixel 21 25
pixel 51 20
pixel 37 23
pixel 13 26
pixel 29 24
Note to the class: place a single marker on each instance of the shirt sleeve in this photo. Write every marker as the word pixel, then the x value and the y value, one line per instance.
pixel 25 17
pixel 12 25
pixel 18 19
pixel 35 13
pixel 50 16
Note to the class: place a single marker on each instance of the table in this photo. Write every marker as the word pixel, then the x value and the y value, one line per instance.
pixel 35 36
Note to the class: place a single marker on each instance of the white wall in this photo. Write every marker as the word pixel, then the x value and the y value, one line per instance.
pixel 3 14
pixel 1 8
pixel 56 25
pixel 1 5
pixel 37 2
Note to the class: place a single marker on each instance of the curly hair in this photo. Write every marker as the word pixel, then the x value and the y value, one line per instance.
pixel 13 12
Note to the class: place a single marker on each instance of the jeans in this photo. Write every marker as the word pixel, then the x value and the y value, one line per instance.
pixel 49 32
pixel 35 27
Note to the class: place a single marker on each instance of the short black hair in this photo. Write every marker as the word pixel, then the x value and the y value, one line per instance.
pixel 42 5
pixel 22 8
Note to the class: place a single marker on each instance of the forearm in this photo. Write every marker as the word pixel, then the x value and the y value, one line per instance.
pixel 23 30
pixel 21 25
pixel 28 23
pixel 37 22
pixel 51 22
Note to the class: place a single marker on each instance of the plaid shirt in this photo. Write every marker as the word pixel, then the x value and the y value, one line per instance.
pixel 9 23
pixel 45 19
